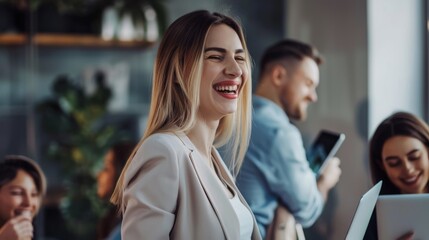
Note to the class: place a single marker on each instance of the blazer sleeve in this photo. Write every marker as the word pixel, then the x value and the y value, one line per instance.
pixel 151 191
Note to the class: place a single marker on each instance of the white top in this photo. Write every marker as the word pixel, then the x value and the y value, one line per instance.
pixel 244 217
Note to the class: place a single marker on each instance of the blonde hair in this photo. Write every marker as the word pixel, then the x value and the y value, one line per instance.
pixel 176 89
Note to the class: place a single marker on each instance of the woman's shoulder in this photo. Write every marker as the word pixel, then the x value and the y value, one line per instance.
pixel 161 137
pixel 159 150
pixel 162 145
pixel 176 141
pixel 167 140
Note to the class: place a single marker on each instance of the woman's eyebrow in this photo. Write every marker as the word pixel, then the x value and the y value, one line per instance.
pixel 13 187
pixel 391 158
pixel 217 49
pixel 221 50
pixel 412 151
pixel 396 157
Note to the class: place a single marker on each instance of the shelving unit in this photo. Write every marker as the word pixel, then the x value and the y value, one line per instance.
pixel 68 40
pixel 12 39
pixel 48 44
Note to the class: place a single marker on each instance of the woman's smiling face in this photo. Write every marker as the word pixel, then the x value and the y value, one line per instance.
pixel 405 160
pixel 224 72
pixel 19 196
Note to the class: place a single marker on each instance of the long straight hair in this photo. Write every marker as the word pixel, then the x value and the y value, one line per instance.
pixel 176 89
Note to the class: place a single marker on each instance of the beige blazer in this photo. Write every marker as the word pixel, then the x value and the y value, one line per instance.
pixel 170 193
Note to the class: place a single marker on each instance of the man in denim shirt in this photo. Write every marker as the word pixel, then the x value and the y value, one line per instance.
pixel 275 171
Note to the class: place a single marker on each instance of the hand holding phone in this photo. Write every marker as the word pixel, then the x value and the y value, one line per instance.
pixel 330 175
pixel 324 147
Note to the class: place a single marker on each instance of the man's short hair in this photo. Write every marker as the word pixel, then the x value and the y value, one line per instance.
pixel 289 49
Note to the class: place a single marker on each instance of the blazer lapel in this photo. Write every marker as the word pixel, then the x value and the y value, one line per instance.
pixel 218 199
pixel 228 177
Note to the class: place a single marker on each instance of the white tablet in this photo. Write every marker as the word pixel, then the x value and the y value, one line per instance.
pixel 399 214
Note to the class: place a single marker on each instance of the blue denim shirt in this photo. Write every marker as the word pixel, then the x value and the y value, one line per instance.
pixel 275 169
pixel 115 234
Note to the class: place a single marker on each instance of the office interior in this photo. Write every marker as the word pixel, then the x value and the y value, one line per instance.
pixel 376 62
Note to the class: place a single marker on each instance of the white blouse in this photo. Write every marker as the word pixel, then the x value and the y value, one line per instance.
pixel 244 216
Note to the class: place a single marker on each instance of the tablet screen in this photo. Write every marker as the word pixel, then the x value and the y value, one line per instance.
pixel 324 147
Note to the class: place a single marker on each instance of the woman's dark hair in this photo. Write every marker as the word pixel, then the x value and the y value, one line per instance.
pixel 10 166
pixel 121 153
pixel 398 124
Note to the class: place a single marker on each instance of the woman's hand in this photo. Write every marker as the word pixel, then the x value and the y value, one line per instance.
pixel 17 228
pixel 407 236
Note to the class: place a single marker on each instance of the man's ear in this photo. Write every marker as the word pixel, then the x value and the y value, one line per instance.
pixel 278 75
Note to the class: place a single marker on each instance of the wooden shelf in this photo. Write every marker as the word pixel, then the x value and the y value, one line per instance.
pixel 12 39
pixel 67 40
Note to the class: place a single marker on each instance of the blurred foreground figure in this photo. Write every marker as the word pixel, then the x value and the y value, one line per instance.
pixel 22 187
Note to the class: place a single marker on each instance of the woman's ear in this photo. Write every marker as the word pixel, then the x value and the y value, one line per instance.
pixel 278 75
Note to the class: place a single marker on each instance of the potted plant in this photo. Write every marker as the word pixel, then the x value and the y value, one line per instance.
pixel 78 140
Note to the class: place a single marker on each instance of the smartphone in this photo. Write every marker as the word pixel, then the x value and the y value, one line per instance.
pixel 324 147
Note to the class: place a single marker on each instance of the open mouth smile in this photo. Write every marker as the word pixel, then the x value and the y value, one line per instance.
pixel 410 180
pixel 227 89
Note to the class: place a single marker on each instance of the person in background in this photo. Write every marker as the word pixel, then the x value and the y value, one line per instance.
pixel 109 227
pixel 176 185
pixel 22 187
pixel 275 171
pixel 398 155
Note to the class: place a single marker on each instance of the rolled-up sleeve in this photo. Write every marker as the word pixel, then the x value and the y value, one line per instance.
pixel 291 178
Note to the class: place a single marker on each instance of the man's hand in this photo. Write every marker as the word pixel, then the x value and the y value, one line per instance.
pixel 17 228
pixel 329 177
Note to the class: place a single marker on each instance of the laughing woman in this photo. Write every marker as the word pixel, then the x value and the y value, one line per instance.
pixel 22 187
pixel 175 185
pixel 399 157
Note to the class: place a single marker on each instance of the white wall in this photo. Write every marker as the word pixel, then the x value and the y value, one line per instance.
pixel 373 66
pixel 396 53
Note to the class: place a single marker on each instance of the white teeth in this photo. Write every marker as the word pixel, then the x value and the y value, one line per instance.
pixel 227 88
pixel 408 180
